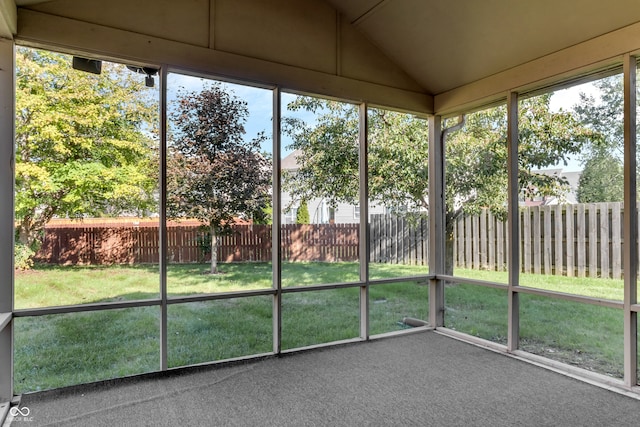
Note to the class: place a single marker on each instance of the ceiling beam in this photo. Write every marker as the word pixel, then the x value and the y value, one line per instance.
pixel 30 2
pixel 8 19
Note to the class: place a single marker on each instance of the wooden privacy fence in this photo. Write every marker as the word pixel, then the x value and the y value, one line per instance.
pixel 399 240
pixel 320 242
pixel 573 240
pixel 393 240
pixel 127 244
pixel 139 244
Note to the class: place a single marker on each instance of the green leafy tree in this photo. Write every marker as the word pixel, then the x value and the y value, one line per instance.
pixel 476 156
pixel 605 116
pixel 83 145
pixel 302 214
pixel 328 152
pixel 476 169
pixel 398 157
pixel 265 217
pixel 602 180
pixel 213 174
pixel 328 155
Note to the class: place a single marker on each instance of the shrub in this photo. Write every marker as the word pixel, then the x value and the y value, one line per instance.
pixel 302 215
pixel 23 256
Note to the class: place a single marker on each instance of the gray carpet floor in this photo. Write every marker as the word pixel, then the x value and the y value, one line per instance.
pixel 422 379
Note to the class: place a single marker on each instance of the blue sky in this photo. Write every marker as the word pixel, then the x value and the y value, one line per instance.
pixel 259 103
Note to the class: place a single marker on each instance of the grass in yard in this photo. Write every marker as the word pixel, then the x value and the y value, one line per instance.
pixel 64 349
pixel 391 302
pixel 388 271
pixel 320 317
pixel 315 273
pixel 188 279
pixel 47 286
pixel 611 289
pixel 57 350
pixel 488 275
pixel 580 334
pixel 587 336
pixel 200 332
pixel 477 311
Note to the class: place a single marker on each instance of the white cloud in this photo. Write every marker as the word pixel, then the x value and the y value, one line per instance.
pixel 566 99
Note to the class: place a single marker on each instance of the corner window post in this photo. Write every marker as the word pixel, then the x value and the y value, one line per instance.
pixel 513 219
pixel 436 222
pixel 630 225
pixel 7 159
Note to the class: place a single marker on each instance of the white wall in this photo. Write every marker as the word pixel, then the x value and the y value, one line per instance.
pixel 344 212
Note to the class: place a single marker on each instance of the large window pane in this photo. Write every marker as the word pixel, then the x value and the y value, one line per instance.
pixel 52 285
pixel 66 349
pixel 397 306
pixel 477 310
pixel 318 317
pixel 216 330
pixel 398 180
pixel 571 195
pixel 320 191
pixel 219 174
pixel 476 195
pixel 86 182
pixel 584 335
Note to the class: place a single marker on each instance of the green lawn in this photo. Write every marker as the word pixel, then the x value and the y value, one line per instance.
pixel 47 286
pixel 57 350
pixel 580 334
pixel 592 287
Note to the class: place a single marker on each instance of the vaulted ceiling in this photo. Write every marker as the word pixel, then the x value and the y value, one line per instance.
pixel 445 44
pixel 455 51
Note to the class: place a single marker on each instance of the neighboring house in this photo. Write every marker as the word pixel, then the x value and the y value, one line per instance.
pixel 319 210
pixel 573 178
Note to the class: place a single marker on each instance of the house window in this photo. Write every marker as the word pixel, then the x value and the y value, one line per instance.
pixel 290 216
pixel 356 212
pixel 327 213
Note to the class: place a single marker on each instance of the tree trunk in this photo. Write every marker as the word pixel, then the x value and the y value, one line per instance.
pixel 214 251
pixel 448 255
pixel 448 244
pixel 24 236
pixel 28 235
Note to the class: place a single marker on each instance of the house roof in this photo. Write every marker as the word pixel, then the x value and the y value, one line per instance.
pixel 290 162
